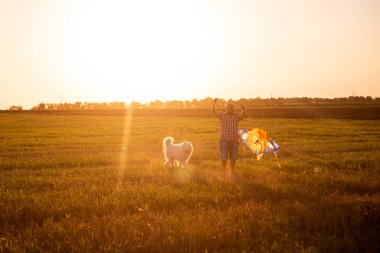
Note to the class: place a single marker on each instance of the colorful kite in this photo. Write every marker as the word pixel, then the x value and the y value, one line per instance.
pixel 258 142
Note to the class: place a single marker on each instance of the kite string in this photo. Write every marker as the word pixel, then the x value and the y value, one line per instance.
pixel 278 162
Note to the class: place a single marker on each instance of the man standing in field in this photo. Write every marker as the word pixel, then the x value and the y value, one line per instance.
pixel 229 134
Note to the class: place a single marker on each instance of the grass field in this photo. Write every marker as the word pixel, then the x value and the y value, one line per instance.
pixel 62 190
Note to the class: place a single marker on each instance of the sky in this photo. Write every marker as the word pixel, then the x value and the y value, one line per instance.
pixel 102 51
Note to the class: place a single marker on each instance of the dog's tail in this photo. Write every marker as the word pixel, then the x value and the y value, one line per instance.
pixel 168 140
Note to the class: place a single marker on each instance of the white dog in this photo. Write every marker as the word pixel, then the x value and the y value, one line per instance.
pixel 180 152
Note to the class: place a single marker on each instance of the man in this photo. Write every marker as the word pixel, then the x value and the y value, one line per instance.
pixel 229 134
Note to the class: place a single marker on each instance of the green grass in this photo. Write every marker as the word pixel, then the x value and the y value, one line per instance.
pixel 61 191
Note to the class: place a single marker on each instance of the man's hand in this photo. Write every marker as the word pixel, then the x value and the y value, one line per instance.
pixel 213 110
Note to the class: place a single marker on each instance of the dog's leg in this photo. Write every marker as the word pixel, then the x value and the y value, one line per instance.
pixel 169 163
pixel 183 163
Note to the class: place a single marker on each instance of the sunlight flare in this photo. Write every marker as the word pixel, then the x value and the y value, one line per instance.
pixel 124 146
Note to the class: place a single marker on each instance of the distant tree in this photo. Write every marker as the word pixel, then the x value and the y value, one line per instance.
pixel 41 106
pixel 122 105
pixel 135 105
pixel 52 106
pixel 15 108
pixel 157 104
pixel 206 102
pixel 187 104
pixel 194 103
pixel 174 104
pixel 116 105
pixel 77 105
pixel 88 106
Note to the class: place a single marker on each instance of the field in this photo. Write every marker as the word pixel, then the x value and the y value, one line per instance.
pixel 96 182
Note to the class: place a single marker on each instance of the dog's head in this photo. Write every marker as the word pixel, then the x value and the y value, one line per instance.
pixel 187 147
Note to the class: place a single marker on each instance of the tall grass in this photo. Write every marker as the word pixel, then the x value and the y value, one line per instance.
pixel 59 177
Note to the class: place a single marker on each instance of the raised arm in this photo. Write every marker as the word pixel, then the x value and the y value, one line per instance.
pixel 214 110
pixel 243 113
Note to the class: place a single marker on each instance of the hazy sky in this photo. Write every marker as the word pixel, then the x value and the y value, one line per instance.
pixel 145 50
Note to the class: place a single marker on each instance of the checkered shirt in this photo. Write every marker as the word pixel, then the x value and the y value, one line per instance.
pixel 229 126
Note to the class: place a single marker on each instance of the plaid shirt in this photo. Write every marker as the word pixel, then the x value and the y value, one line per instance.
pixel 229 126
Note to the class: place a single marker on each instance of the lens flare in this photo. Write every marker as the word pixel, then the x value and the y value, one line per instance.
pixel 124 146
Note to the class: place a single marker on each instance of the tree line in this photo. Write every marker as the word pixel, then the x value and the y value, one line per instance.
pixel 204 103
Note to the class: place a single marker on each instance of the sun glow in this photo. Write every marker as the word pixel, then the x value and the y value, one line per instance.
pixel 132 50
pixel 123 50
pixel 124 147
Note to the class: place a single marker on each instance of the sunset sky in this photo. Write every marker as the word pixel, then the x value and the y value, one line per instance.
pixel 146 50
